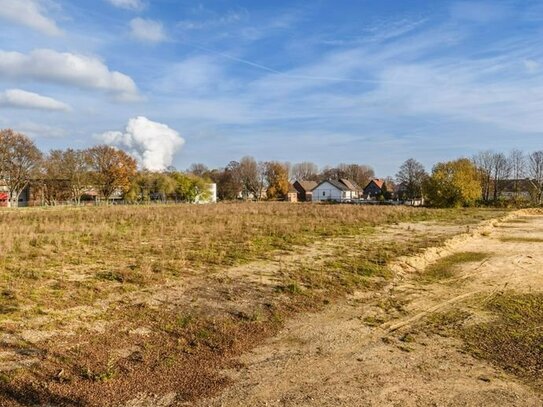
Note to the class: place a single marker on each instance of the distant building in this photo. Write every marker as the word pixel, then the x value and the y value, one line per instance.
pixel 304 190
pixel 516 189
pixel 292 195
pixel 375 188
pixel 342 190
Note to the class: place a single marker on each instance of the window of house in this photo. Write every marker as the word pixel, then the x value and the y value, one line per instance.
pixel 323 193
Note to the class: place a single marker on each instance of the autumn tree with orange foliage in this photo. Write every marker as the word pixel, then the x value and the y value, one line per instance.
pixel 277 180
pixel 111 169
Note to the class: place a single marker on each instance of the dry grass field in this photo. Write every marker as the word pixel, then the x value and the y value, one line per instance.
pixel 136 306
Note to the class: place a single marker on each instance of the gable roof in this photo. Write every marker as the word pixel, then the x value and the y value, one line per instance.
pixel 339 185
pixel 307 186
pixel 353 186
pixel 378 182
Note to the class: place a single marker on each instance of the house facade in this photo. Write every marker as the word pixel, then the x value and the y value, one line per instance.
pixel 292 195
pixel 304 190
pixel 336 191
pixel 375 188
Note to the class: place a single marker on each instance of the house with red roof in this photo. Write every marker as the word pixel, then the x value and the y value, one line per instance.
pixel 375 188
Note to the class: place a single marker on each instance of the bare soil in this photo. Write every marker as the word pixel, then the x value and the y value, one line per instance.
pixel 362 351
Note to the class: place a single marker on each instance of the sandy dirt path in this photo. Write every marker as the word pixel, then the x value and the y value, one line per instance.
pixel 342 357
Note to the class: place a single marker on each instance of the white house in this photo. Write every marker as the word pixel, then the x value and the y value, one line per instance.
pixel 336 190
pixel 212 195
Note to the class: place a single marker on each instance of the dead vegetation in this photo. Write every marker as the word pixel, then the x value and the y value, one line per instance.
pixel 100 304
pixel 505 329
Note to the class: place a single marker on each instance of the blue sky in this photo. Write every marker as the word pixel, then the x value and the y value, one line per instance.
pixel 373 82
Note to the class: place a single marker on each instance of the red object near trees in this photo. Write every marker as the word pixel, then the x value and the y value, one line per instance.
pixel 4 199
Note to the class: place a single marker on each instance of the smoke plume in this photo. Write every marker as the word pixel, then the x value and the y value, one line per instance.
pixel 152 144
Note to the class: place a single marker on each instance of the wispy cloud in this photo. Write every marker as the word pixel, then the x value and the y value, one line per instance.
pixel 30 13
pixel 20 99
pixel 208 20
pixel 147 30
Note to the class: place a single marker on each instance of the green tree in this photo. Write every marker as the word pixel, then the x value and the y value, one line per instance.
pixel 189 188
pixel 454 183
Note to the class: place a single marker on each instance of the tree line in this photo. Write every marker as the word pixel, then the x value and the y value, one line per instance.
pixel 67 175
pixel 73 175
pixel 483 179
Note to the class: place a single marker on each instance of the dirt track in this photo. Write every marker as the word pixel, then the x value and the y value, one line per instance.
pixel 338 358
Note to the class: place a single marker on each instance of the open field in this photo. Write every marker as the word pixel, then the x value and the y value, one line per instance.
pixel 471 337
pixel 141 306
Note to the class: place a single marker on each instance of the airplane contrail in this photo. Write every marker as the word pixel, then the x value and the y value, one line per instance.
pixel 308 77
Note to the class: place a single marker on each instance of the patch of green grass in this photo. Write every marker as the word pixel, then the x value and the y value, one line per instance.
pixel 445 268
pixel 520 239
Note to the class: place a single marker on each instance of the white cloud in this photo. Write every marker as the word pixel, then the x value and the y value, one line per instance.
pixel 128 4
pixel 20 99
pixel 147 30
pixel 29 13
pixel 152 144
pixel 67 69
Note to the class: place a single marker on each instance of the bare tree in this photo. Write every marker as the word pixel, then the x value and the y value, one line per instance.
pixel 54 182
pixel 198 169
pixel 412 176
pixel 249 177
pixel 66 175
pixel 359 173
pixel 19 159
pixel 305 171
pixel 501 170
pixel 535 173
pixel 484 162
pixel 517 163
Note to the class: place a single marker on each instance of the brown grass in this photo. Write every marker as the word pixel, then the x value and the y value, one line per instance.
pixel 56 259
pixel 510 337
